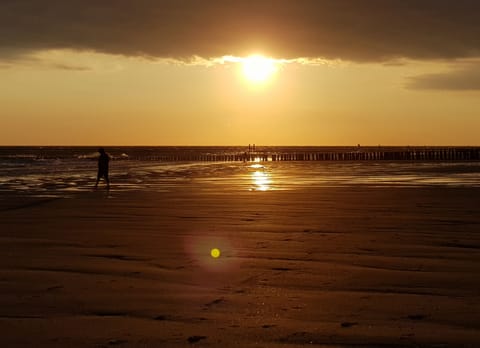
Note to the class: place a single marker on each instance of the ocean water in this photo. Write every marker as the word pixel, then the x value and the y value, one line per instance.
pixel 65 171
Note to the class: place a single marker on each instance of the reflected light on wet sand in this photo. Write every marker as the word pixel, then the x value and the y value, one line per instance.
pixel 261 181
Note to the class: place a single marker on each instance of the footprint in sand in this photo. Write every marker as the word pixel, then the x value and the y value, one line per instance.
pixel 348 324
pixel 416 317
pixel 214 302
pixel 116 342
pixel 195 339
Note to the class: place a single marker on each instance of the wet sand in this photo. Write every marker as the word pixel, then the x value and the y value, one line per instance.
pixel 332 267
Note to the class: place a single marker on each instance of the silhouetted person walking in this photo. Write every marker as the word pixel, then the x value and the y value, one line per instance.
pixel 103 167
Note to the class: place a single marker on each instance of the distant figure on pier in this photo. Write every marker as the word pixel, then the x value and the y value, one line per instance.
pixel 103 167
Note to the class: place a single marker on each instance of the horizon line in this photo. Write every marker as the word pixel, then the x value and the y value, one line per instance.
pixel 236 145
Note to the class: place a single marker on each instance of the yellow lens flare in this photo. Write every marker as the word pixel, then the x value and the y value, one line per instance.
pixel 258 68
pixel 215 253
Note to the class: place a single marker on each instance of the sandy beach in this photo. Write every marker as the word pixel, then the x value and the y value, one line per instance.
pixel 333 267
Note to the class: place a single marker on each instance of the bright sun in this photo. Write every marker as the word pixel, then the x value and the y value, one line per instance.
pixel 258 68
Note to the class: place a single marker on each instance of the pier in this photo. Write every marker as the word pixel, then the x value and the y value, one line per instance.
pixel 368 154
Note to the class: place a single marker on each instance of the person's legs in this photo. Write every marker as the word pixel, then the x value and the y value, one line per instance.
pixel 103 175
pixel 98 179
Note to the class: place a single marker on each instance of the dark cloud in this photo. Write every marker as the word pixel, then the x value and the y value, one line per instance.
pixel 369 30
pixel 466 78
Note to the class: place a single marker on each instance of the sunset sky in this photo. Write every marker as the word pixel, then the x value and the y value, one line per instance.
pixel 180 72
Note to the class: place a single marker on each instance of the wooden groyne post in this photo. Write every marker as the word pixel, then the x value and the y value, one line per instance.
pixel 372 154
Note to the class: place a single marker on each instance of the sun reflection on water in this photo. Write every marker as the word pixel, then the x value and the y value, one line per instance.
pixel 257 166
pixel 261 181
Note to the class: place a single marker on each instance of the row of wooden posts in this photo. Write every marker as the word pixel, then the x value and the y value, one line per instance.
pixel 432 154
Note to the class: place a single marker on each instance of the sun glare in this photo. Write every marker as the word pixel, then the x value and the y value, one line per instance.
pixel 258 68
